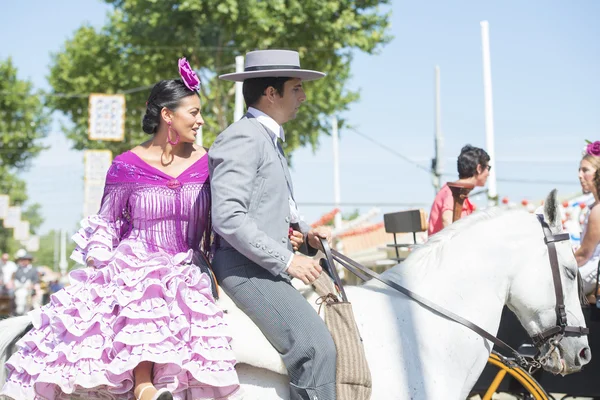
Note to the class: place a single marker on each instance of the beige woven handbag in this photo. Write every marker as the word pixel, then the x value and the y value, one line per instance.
pixel 353 377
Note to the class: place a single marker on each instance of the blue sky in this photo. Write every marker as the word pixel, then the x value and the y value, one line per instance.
pixel 546 78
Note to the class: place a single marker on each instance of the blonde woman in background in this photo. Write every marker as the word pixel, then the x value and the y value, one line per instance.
pixel 588 255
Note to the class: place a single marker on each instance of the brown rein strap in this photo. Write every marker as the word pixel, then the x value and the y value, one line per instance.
pixel 358 270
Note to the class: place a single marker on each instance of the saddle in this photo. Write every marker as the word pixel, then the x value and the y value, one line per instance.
pixel 249 344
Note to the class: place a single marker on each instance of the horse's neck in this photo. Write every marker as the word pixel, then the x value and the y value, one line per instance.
pixel 466 278
pixel 427 344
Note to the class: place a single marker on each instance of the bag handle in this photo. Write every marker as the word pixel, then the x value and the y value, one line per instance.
pixel 329 266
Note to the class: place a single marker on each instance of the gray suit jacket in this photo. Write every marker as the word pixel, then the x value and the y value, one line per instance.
pixel 249 180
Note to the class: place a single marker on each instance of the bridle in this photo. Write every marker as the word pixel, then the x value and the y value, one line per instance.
pixel 561 328
pixel 553 335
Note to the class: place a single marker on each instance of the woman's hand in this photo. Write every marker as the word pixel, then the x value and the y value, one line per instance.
pixel 297 239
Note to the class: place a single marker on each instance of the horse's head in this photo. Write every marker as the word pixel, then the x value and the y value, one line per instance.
pixel 535 293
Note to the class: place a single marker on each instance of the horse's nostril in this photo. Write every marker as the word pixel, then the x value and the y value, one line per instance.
pixel 584 354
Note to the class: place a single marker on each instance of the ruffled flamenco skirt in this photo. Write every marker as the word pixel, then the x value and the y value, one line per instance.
pixel 137 307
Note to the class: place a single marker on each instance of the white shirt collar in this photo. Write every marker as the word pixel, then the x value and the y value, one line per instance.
pixel 268 122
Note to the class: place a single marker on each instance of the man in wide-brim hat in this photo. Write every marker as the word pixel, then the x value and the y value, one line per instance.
pixel 22 254
pixel 26 277
pixel 253 211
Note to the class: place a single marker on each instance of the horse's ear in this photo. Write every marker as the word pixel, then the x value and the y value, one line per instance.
pixel 551 211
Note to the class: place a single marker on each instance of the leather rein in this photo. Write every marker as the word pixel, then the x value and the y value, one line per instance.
pixel 530 364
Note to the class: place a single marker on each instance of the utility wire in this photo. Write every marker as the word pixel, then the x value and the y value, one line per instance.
pixel 361 204
pixel 538 181
pixel 78 95
pixel 389 149
pixel 86 95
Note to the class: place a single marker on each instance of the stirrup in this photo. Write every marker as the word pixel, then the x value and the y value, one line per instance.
pixel 161 394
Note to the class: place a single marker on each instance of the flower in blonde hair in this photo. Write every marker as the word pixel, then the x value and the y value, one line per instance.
pixel 593 148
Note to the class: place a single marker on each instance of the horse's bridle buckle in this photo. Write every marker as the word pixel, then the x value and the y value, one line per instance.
pixel 562 315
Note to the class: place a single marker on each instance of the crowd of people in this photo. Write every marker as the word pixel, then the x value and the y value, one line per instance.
pixel 24 286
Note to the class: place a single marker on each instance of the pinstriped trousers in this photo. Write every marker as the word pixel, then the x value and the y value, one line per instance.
pixel 286 319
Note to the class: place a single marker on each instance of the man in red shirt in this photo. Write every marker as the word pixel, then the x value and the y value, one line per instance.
pixel 473 168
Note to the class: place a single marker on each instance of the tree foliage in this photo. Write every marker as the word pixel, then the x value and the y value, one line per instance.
pixel 23 120
pixel 48 242
pixel 346 217
pixel 143 39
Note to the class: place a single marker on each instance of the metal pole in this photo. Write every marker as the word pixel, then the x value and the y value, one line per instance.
pixel 63 252
pixel 438 161
pixel 337 219
pixel 56 247
pixel 336 171
pixel 489 112
pixel 199 136
pixel 238 112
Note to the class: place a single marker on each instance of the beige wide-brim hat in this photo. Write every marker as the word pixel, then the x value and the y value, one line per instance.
pixel 272 63
pixel 22 254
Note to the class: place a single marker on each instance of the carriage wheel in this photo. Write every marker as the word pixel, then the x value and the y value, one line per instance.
pixel 505 366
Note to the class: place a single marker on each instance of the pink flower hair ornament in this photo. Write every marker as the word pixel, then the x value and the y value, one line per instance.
pixel 593 148
pixel 188 76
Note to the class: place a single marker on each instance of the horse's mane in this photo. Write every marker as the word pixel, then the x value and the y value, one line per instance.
pixel 432 251
pixel 449 232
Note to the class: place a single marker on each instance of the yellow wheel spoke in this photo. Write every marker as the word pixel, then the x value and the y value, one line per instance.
pixel 495 383
pixel 519 374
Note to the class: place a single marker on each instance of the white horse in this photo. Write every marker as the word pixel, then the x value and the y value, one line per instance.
pixel 473 268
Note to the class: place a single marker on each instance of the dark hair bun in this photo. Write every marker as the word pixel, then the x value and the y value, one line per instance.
pixel 151 119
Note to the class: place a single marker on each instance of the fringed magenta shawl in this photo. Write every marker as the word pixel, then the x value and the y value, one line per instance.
pixel 145 205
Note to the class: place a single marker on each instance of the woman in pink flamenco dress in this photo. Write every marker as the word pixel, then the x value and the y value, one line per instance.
pixel 140 321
